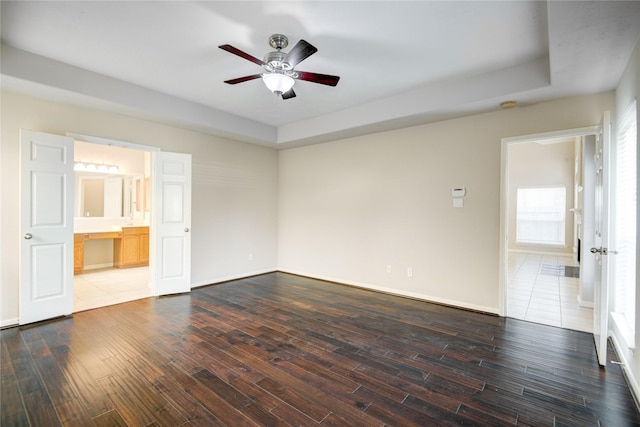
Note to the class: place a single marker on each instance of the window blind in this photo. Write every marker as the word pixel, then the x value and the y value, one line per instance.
pixel 624 226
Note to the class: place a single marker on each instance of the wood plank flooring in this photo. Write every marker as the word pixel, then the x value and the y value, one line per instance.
pixel 279 349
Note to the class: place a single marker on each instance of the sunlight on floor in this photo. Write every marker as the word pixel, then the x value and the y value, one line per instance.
pixel 99 288
pixel 537 295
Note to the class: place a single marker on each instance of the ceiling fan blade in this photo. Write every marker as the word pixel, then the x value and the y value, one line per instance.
pixel 241 54
pixel 323 79
pixel 301 51
pixel 289 94
pixel 243 79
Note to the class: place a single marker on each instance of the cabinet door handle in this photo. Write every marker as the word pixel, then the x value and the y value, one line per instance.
pixel 186 229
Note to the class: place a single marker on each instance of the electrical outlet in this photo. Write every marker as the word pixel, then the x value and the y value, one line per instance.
pixel 388 269
pixel 409 272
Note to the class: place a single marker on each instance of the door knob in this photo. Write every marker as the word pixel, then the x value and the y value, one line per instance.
pixel 28 236
pixel 602 251
pixel 186 229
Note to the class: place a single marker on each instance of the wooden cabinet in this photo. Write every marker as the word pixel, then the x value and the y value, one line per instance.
pixel 130 247
pixel 144 247
pixel 78 253
pixel 132 250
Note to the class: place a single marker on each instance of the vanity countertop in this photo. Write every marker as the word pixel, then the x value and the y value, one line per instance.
pixel 82 226
pixel 101 229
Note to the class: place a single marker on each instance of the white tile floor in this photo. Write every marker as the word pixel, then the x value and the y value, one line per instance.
pixel 99 288
pixel 542 298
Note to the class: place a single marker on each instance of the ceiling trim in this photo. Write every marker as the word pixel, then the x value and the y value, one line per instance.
pixel 409 107
pixel 136 100
pixel 436 97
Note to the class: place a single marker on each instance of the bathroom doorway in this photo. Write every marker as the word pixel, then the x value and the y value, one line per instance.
pixel 111 225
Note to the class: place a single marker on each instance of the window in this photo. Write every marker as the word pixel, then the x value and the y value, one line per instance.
pixel 624 226
pixel 540 216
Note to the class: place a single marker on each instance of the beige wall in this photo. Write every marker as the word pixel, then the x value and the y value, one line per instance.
pixel 541 165
pixel 350 208
pixel 234 208
pixel 342 210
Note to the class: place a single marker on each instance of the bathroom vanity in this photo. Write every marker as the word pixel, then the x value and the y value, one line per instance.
pixel 130 247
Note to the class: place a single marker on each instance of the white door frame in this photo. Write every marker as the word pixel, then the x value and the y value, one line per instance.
pixel 111 142
pixel 132 146
pixel 504 197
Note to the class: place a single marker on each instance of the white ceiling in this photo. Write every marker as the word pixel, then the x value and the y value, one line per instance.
pixel 400 63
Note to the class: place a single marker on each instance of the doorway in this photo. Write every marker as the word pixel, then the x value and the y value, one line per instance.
pixel 47 252
pixel 542 226
pixel 112 194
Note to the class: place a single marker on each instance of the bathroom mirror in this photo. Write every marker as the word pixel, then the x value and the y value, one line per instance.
pixel 105 196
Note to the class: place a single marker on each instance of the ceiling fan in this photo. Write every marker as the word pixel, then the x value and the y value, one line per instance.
pixel 280 74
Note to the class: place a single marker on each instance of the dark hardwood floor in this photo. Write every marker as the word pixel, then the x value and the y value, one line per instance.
pixel 279 349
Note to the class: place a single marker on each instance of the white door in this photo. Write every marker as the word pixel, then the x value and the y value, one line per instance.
pixel 601 239
pixel 171 210
pixel 46 226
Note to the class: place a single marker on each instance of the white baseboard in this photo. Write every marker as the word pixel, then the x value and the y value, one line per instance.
pixel 400 293
pixel 215 280
pixel 97 266
pixel 585 304
pixel 541 252
pixel 632 381
pixel 9 322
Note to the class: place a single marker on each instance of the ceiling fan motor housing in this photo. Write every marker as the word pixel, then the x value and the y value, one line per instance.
pixel 276 61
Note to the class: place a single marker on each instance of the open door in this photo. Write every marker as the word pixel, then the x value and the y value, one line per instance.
pixel 601 239
pixel 171 210
pixel 46 226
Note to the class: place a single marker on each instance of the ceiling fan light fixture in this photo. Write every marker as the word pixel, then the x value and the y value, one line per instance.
pixel 279 73
pixel 278 83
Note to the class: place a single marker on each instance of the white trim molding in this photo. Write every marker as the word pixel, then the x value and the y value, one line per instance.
pixel 111 142
pixel 626 368
pixel 398 293
pixel 9 322
pixel 218 280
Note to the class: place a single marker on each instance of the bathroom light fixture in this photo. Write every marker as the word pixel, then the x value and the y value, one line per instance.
pixel 278 83
pixel 95 167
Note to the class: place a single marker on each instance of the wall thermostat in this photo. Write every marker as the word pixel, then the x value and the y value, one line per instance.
pixel 458 192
